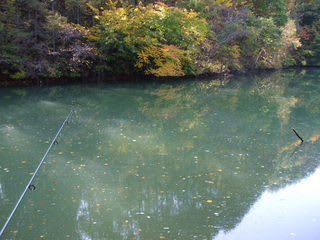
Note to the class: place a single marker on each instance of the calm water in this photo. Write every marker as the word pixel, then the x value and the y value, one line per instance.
pixel 213 159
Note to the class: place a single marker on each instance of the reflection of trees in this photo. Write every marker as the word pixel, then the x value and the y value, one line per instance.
pixel 295 163
pixel 180 161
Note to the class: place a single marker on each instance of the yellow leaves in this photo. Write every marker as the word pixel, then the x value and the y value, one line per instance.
pixel 162 60
pixel 209 201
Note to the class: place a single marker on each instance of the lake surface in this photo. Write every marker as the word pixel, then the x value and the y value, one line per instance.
pixel 200 159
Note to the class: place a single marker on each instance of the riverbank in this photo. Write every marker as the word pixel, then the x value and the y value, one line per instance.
pixel 152 39
pixel 94 78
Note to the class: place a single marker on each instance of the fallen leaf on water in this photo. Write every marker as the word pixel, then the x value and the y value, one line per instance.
pixel 55 182
pixel 163 237
pixel 209 201
pixel 29 227
pixel 98 204
pixel 210 182
pixel 60 153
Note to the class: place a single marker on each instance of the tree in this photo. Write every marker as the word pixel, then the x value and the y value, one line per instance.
pixel 128 38
pixel 36 42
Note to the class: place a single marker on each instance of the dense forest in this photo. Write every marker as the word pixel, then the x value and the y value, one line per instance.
pixel 73 38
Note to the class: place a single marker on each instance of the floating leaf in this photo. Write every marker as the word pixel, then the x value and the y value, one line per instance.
pixel 210 182
pixel 209 201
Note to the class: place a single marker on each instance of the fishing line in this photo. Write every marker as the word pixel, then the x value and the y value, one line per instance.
pixel 30 186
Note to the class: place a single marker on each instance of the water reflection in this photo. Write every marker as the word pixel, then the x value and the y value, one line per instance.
pixel 293 212
pixel 157 161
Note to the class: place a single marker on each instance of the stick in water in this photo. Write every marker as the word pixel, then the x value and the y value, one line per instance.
pixel 297 134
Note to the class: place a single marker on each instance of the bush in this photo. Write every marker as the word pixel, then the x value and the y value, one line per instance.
pixel 148 39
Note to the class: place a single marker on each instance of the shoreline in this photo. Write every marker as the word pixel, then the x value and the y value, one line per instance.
pixel 93 78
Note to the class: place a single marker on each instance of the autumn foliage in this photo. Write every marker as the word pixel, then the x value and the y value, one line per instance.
pixel 72 38
pixel 154 39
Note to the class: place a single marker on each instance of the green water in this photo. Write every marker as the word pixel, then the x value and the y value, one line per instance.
pixel 200 159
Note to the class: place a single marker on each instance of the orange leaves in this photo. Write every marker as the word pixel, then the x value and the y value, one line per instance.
pixel 163 60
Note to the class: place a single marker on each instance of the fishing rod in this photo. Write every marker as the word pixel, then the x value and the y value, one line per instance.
pixel 30 186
